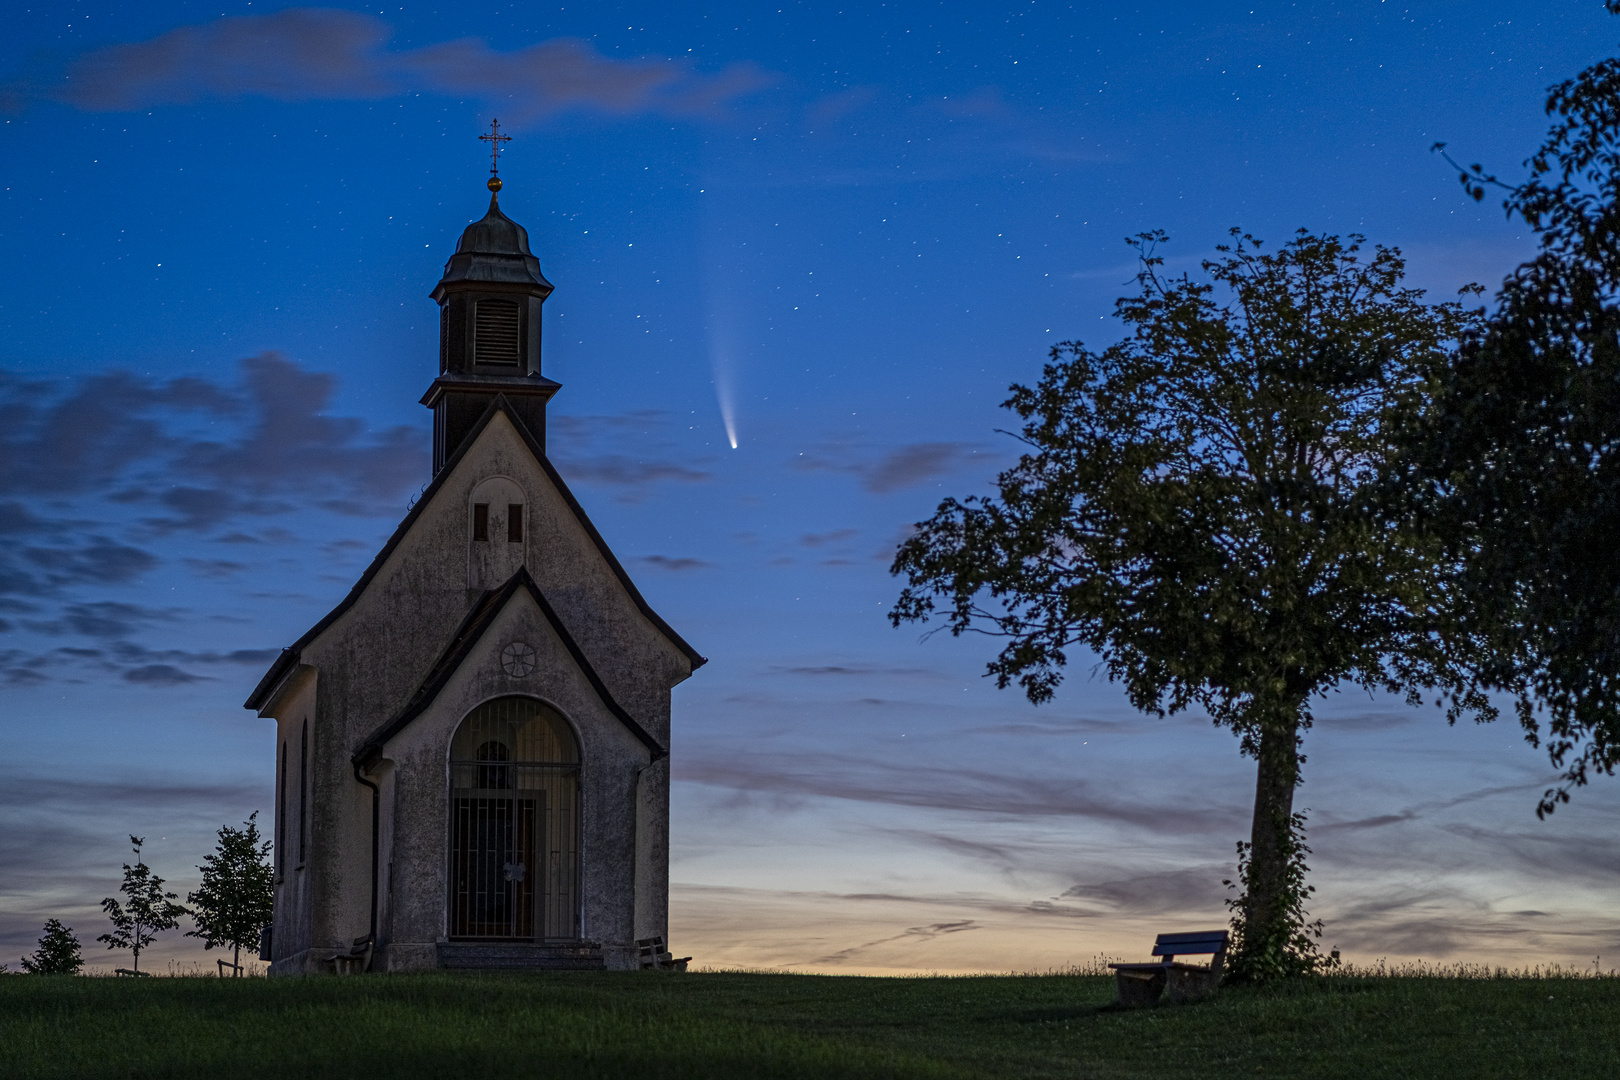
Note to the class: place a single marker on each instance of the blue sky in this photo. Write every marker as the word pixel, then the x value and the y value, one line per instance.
pixel 832 235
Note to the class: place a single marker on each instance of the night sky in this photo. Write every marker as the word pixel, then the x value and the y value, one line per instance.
pixel 799 256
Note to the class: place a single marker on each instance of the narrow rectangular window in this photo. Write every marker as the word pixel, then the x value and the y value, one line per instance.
pixel 303 791
pixel 281 813
pixel 514 523
pixel 480 521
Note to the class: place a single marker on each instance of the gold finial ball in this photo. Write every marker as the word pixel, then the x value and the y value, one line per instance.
pixel 494 183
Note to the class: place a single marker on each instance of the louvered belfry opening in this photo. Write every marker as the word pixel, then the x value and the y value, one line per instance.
pixel 495 332
pixel 514 824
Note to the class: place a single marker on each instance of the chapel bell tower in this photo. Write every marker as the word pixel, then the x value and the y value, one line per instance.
pixel 489 326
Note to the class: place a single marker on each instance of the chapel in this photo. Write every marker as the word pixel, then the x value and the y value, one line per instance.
pixel 472 749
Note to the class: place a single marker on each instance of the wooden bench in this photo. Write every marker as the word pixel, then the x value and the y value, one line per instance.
pixel 356 961
pixel 654 956
pixel 1145 984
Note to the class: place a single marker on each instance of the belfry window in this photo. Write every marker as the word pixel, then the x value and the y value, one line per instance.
pixel 514 824
pixel 495 332
pixel 514 523
pixel 480 521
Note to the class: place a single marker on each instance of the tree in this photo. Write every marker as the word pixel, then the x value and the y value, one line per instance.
pixel 1517 466
pixel 148 911
pixel 235 900
pixel 58 952
pixel 1196 507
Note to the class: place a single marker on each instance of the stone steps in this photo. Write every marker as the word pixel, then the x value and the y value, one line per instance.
pixel 489 955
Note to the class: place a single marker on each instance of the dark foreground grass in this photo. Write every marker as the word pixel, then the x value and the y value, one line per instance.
pixel 503 1027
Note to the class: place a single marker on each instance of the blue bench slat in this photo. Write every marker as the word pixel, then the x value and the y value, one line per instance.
pixel 1203 941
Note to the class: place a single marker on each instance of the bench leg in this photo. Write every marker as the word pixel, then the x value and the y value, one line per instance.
pixel 1139 988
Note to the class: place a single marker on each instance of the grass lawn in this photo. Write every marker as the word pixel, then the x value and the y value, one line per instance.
pixel 724 1025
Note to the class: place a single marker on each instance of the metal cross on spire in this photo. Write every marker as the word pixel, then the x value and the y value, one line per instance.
pixel 494 138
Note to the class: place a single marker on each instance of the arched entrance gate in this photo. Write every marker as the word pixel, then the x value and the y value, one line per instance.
pixel 514 824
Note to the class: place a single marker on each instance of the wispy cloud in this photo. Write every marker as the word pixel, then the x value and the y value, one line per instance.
pixel 126 437
pixel 665 562
pixel 113 654
pixel 304 54
pixel 62 839
pixel 138 460
pixel 894 469
pixel 1186 889
pixel 965 790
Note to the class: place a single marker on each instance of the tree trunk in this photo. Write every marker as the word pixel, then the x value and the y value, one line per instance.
pixel 1269 836
pixel 137 958
pixel 238 963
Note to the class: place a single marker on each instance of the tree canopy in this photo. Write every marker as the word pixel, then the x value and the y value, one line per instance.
pixel 58 952
pixel 146 912
pixel 1517 464
pixel 235 900
pixel 1197 505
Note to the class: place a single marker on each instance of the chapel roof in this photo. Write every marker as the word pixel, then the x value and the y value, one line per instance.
pixel 493 248
pixel 495 234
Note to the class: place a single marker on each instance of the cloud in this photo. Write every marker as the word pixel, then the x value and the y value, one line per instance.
pixel 100 562
pixel 852 669
pixel 127 438
pixel 1193 888
pixel 111 624
pixel 306 54
pixel 160 675
pixel 815 540
pixel 102 619
pixel 1427 808
pixel 291 55
pixel 913 464
pixel 292 442
pixel 963 790
pixel 21 676
pixel 62 444
pixel 932 930
pixel 664 562
pixel 566 73
pixel 215 568
pixel 17 518
pixel 134 460
pixel 903 467
pixel 63 838
pixel 194 509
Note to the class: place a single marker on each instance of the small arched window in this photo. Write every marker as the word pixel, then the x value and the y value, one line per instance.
pixel 514 824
